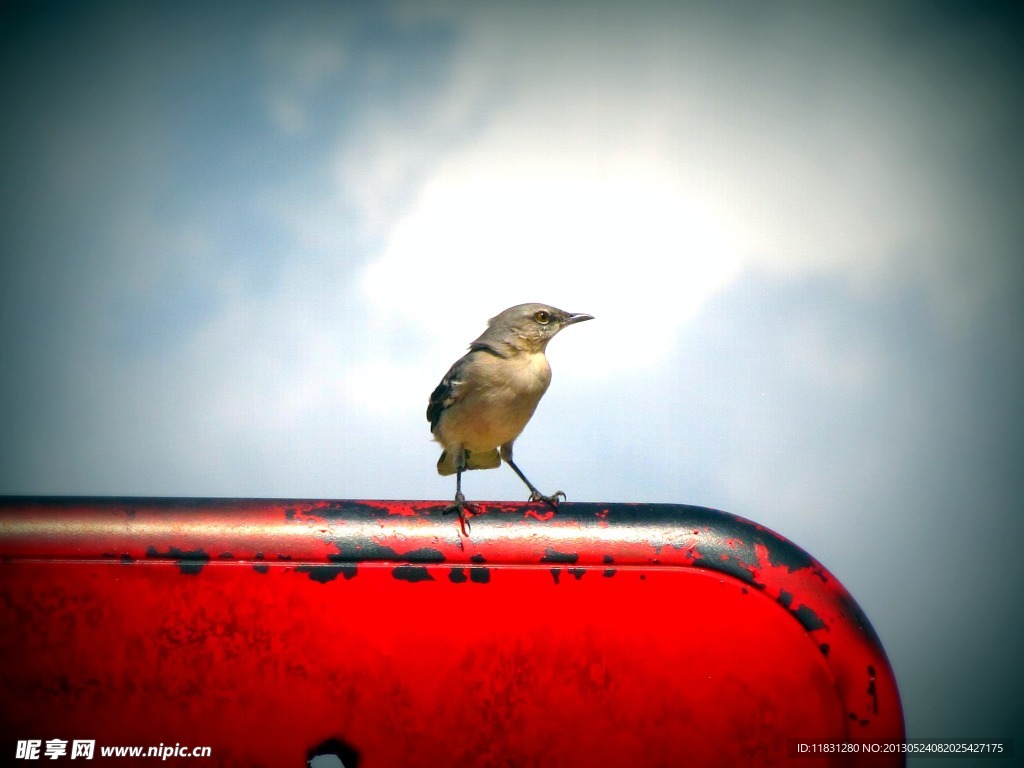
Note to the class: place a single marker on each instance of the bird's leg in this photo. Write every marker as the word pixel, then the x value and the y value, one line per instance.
pixel 459 505
pixel 536 495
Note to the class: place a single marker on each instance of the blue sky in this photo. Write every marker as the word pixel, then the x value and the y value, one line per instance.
pixel 240 246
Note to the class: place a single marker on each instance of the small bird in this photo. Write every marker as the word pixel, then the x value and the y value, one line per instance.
pixel 487 397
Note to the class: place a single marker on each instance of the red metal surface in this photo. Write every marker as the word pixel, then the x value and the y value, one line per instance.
pixel 271 631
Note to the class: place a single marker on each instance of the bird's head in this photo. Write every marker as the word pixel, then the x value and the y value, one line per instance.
pixel 528 327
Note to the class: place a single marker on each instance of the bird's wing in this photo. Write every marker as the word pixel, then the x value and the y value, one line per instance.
pixel 448 391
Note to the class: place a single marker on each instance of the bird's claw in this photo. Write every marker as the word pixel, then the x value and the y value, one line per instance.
pixel 461 507
pixel 551 500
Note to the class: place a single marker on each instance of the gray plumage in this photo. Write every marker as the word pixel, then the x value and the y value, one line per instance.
pixel 487 397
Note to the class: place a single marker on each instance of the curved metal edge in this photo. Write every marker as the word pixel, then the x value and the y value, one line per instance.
pixel 318 535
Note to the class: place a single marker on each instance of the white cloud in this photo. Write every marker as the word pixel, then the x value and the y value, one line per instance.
pixel 641 184
pixel 754 200
pixel 622 240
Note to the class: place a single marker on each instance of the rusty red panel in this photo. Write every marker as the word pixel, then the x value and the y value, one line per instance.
pixel 272 631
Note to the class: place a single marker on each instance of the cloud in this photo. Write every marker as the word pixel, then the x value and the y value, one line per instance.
pixel 241 250
pixel 636 170
pixel 401 175
pixel 621 241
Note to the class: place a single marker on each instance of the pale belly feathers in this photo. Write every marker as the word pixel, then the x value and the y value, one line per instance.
pixel 497 412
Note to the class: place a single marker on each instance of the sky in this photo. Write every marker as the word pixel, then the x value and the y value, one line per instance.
pixel 241 243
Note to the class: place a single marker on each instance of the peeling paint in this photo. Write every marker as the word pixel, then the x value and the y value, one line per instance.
pixel 551 555
pixel 322 574
pixel 810 620
pixel 412 573
pixel 189 562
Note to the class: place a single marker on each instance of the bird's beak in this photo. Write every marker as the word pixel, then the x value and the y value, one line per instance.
pixel 577 318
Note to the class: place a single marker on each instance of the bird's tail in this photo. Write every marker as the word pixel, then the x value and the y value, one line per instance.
pixel 474 460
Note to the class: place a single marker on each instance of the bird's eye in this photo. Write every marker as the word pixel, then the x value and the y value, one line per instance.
pixel 542 317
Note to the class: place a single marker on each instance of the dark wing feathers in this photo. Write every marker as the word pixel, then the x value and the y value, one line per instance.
pixel 446 393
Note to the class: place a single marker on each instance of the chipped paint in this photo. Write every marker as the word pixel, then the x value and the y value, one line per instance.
pixel 551 555
pixel 190 562
pixel 323 574
pixel 412 573
pixel 513 563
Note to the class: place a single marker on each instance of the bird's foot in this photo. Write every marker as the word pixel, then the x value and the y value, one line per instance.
pixel 551 501
pixel 461 507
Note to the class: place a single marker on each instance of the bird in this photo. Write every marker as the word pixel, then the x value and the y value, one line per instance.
pixel 489 395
